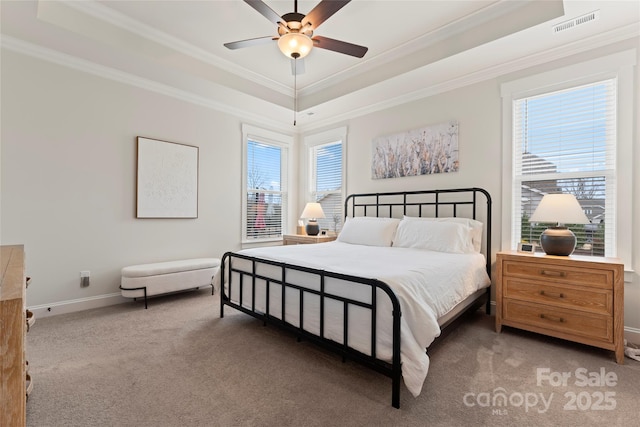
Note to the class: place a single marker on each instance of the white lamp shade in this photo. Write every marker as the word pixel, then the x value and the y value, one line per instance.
pixel 295 45
pixel 560 208
pixel 312 210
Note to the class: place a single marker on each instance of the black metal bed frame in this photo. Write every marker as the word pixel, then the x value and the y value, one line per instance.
pixel 435 201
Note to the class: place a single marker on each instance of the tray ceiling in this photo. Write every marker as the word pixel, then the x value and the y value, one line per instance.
pixel 413 46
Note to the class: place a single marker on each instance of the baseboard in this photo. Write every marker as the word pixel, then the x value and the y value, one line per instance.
pixel 632 335
pixel 79 304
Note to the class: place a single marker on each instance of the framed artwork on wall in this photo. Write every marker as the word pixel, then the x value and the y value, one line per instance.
pixel 167 179
pixel 424 151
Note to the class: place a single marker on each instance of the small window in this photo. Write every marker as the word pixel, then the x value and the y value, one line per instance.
pixel 327 184
pixel 326 175
pixel 265 183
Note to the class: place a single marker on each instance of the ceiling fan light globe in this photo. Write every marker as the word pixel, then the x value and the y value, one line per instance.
pixel 295 45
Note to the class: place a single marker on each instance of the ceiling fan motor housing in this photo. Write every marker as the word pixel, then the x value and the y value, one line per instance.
pixel 295 30
pixel 293 21
pixel 295 40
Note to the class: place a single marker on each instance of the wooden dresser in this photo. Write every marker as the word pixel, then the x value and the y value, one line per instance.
pixel 12 336
pixel 575 298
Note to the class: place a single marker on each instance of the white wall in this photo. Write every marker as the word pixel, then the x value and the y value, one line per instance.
pixel 68 171
pixel 69 184
pixel 477 108
pixel 477 111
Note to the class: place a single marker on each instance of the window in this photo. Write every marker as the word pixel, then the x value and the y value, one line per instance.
pixel 571 137
pixel 265 207
pixel 565 142
pixel 327 184
pixel 325 155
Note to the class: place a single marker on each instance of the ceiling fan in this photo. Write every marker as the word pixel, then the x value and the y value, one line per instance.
pixel 295 30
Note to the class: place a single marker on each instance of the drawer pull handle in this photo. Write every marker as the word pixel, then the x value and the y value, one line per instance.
pixel 553 273
pixel 552 294
pixel 553 318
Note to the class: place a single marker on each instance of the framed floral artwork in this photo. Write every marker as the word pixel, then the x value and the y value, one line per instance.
pixel 428 150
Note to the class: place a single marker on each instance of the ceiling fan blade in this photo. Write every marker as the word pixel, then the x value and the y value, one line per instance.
pixel 249 42
pixel 339 46
pixel 322 12
pixel 297 66
pixel 264 10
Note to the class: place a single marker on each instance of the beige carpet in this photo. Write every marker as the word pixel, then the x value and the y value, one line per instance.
pixel 179 364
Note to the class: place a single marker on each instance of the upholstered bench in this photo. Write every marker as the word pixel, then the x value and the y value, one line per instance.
pixel 146 280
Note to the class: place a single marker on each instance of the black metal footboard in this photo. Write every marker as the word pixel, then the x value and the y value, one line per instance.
pixel 261 287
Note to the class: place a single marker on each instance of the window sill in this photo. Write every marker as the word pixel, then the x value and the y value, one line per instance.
pixel 276 241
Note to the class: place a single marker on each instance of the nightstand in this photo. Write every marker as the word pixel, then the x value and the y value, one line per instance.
pixel 576 298
pixel 301 239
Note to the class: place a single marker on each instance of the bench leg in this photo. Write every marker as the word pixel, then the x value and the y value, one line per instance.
pixel 144 289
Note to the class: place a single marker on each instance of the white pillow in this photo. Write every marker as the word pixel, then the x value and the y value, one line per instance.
pixel 440 236
pixel 475 226
pixel 369 231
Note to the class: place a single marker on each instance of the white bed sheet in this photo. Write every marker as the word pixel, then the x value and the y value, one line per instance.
pixel 428 285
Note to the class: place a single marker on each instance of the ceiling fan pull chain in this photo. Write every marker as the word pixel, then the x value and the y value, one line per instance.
pixel 295 90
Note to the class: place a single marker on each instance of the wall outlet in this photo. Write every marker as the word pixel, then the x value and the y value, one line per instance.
pixel 84 278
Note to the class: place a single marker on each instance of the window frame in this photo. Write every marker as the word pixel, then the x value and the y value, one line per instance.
pixel 285 143
pixel 312 143
pixel 618 65
pixel 543 176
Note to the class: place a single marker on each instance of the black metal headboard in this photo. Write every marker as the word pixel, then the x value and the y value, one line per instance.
pixel 454 202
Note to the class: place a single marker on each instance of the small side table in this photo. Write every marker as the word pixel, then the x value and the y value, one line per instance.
pixel 300 239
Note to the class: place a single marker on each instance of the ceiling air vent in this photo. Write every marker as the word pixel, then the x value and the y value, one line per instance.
pixel 580 20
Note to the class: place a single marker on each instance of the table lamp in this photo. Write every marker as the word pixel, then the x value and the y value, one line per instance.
pixel 312 211
pixel 561 209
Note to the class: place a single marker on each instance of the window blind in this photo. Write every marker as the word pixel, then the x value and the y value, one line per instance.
pixel 327 184
pixel 266 200
pixel 565 142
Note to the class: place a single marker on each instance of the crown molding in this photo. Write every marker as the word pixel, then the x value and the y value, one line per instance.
pixel 581 46
pixel 418 44
pixel 128 24
pixel 69 61
pixel 125 23
pixel 450 39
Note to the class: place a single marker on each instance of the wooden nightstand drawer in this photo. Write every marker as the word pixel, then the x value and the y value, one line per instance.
pixel 575 298
pixel 565 296
pixel 299 239
pixel 582 276
pixel 592 326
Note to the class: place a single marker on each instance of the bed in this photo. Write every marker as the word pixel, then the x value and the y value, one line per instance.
pixel 405 266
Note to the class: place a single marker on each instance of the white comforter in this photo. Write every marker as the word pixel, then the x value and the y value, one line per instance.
pixel 428 285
